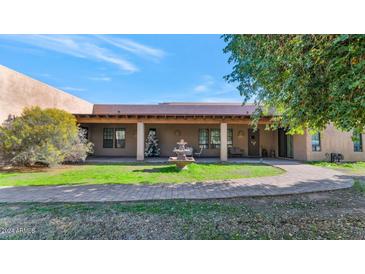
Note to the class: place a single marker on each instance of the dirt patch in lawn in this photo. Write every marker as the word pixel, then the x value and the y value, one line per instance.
pixel 35 169
pixel 327 215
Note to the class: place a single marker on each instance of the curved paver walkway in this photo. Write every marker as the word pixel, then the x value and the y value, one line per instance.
pixel 299 178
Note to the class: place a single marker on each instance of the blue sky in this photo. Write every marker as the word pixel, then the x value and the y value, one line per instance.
pixel 125 68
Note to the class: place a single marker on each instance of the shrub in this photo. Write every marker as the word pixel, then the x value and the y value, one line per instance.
pixel 48 137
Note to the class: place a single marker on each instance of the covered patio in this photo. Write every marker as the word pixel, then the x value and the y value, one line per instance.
pixel 217 137
pixel 210 130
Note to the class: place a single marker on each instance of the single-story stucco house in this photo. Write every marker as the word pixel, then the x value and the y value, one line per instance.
pixel 214 129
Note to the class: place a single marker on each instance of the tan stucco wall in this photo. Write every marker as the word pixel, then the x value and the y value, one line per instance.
pixel 96 137
pixel 268 140
pixel 18 91
pixel 334 140
pixel 300 147
pixel 168 138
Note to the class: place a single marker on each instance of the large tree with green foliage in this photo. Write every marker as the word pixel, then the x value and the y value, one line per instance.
pixel 48 137
pixel 311 80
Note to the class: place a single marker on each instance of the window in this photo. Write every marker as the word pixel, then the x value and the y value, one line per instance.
pixel 120 138
pixel 203 138
pixel 214 135
pixel 215 138
pixel 358 143
pixel 108 137
pixel 114 137
pixel 230 137
pixel 316 142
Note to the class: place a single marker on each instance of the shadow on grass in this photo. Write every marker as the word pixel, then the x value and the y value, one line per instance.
pixel 169 164
pixel 165 169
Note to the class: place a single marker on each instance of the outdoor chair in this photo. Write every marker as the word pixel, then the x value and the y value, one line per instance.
pixel 334 157
pixel 198 154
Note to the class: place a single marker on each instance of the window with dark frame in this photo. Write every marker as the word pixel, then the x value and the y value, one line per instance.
pixel 215 138
pixel 204 138
pixel 119 138
pixel 211 138
pixel 230 137
pixel 316 142
pixel 108 137
pixel 358 143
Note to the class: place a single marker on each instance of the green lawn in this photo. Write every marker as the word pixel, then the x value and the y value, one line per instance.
pixel 134 174
pixel 355 168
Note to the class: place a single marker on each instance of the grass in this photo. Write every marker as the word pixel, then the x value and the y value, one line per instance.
pixel 133 174
pixel 359 186
pixel 354 167
pixel 326 215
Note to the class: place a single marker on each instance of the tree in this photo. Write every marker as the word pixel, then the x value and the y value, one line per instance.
pixel 48 137
pixel 310 80
pixel 152 148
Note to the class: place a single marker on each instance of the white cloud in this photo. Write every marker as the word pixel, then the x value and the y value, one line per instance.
pixel 200 88
pixel 73 89
pixel 104 55
pixel 134 47
pixel 226 88
pixel 101 78
pixel 79 46
pixel 207 83
pixel 215 88
pixel 213 91
pixel 102 48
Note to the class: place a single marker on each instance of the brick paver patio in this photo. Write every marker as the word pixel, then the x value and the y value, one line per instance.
pixel 299 178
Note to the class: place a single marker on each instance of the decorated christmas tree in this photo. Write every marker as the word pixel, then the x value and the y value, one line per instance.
pixel 151 147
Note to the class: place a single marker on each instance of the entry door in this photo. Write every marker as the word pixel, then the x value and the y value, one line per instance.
pixel 253 142
pixel 285 144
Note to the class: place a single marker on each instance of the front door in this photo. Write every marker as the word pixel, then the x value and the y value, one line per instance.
pixel 253 142
pixel 285 144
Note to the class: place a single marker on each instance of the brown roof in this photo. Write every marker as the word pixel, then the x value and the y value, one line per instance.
pixel 185 109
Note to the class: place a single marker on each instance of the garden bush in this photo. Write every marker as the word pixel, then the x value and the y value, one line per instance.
pixel 43 136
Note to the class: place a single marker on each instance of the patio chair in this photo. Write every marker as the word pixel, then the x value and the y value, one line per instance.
pixel 198 154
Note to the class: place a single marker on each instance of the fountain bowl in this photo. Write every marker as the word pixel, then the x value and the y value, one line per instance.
pixel 181 164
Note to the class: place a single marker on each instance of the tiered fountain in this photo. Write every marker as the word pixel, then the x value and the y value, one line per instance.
pixel 181 160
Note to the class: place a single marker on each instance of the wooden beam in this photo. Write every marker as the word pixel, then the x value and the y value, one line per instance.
pixel 167 120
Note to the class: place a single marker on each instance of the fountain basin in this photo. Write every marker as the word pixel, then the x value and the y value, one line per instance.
pixel 181 164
